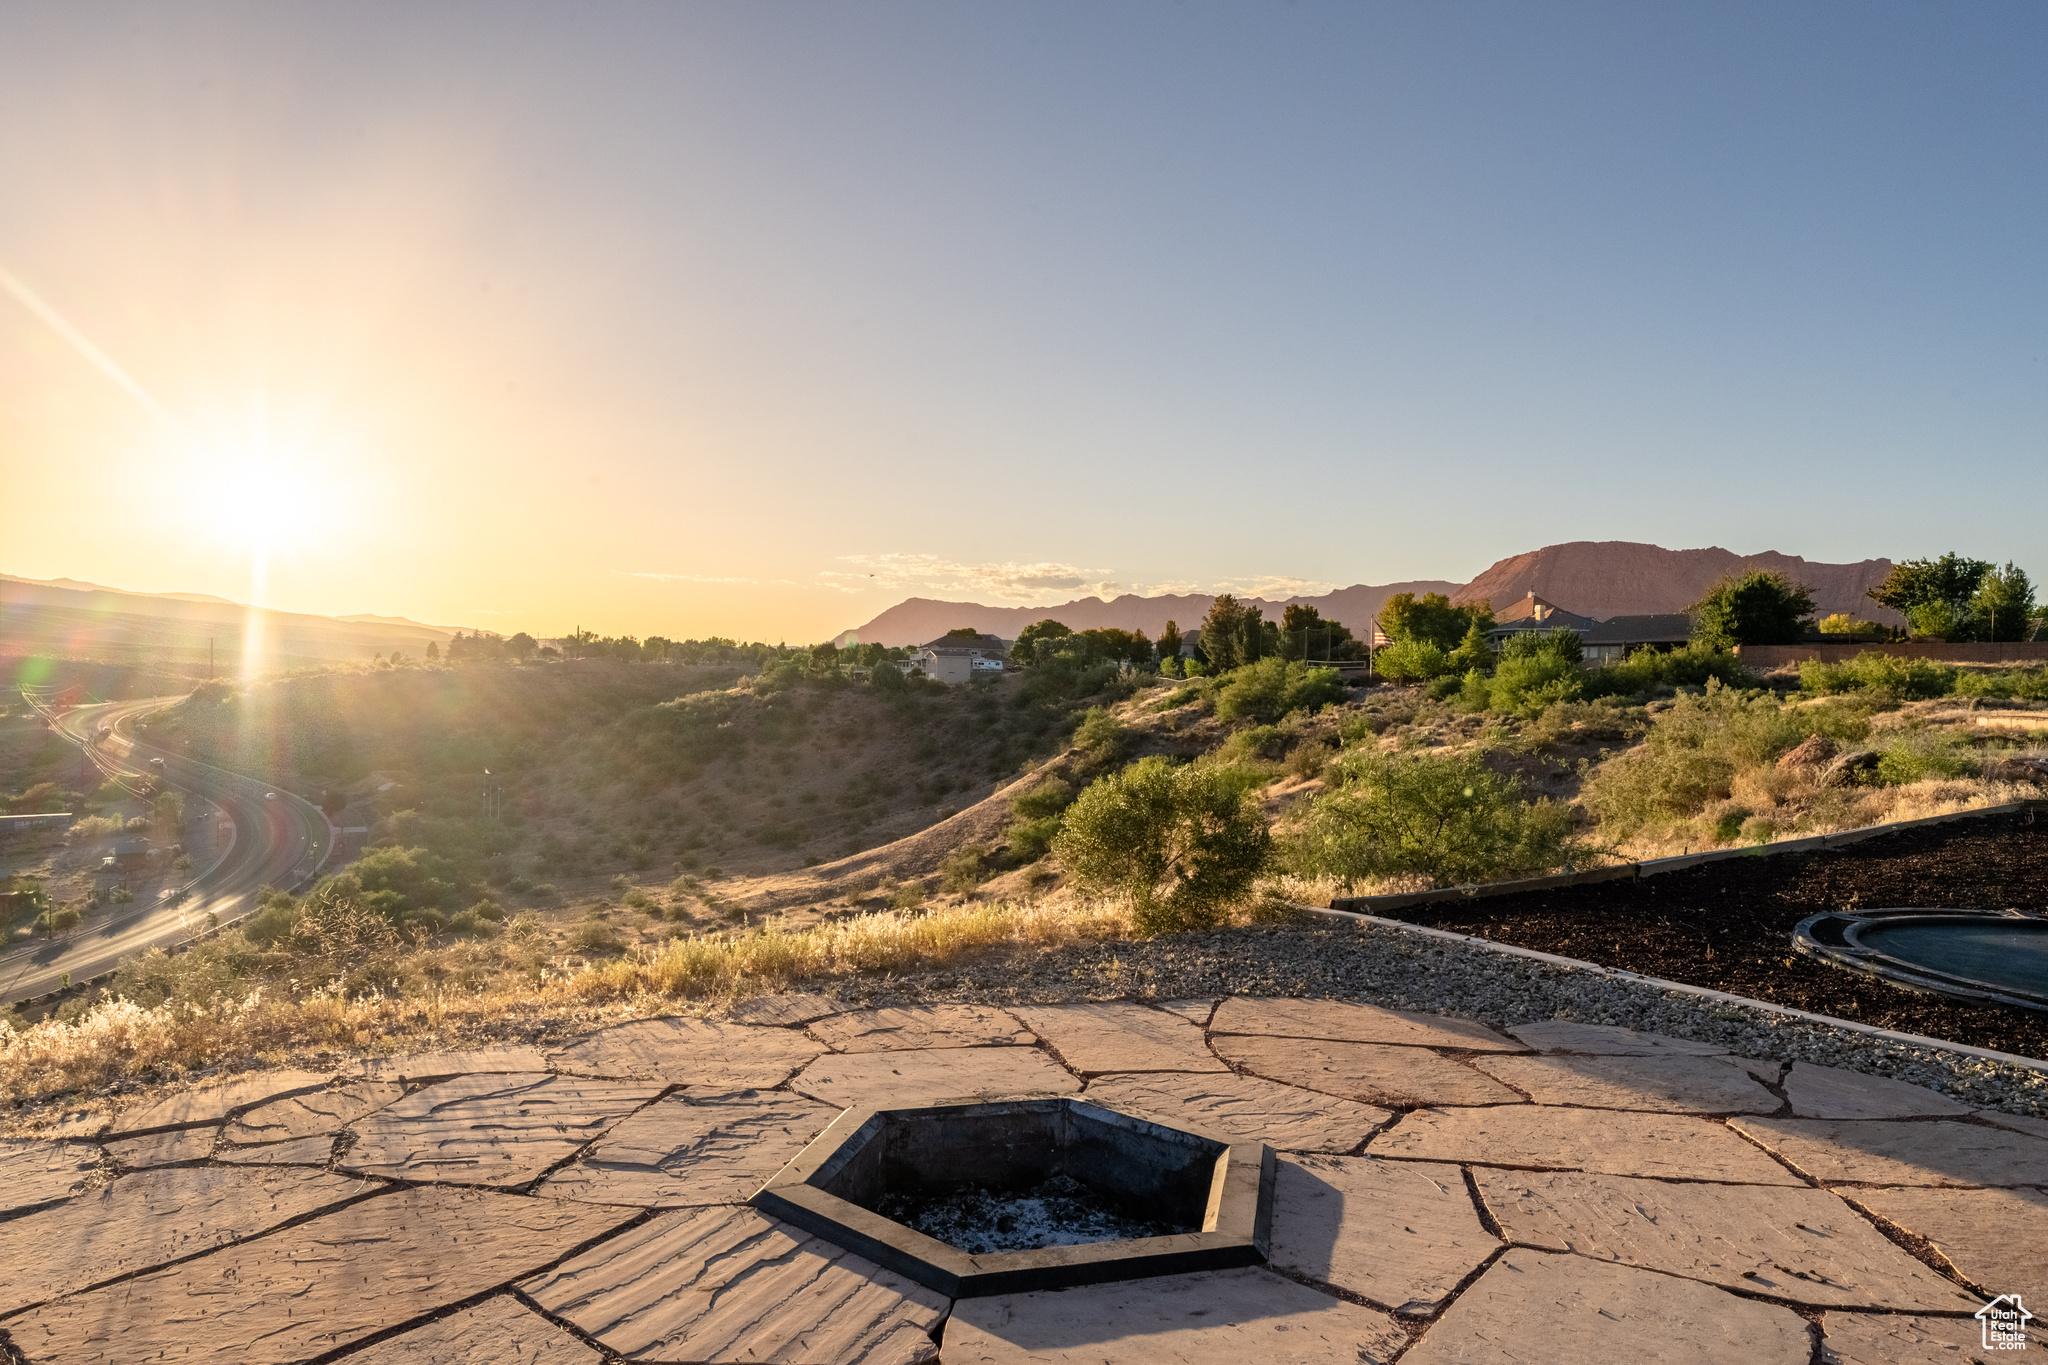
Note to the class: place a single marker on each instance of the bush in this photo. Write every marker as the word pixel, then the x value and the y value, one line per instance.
pixel 1100 735
pixel 964 868
pixel 1180 844
pixel 1753 607
pixel 1692 753
pixel 1695 665
pixel 1412 661
pixel 1905 679
pixel 1271 688
pixel 1453 820
pixel 1917 755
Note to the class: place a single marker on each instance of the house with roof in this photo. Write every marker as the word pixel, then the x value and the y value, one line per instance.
pixel 957 657
pixel 1532 613
pixel 1606 642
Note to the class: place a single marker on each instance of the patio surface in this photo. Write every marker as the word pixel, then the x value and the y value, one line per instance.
pixel 1445 1193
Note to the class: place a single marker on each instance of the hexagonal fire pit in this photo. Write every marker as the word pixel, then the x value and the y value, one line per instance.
pixel 1015 1195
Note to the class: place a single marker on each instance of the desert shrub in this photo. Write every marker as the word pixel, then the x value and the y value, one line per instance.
pixel 1310 757
pixel 1412 661
pixel 1100 735
pixel 1257 743
pixel 1271 688
pixel 595 938
pixel 1905 679
pixel 2029 684
pixel 964 868
pixel 1916 755
pixel 1527 680
pixel 1452 819
pixel 1179 844
pixel 405 885
pixel 1565 721
pixel 1038 813
pixel 273 921
pixel 1694 665
pixel 1691 756
pixel 95 827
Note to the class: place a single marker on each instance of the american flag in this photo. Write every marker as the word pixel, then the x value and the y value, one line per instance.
pixel 1379 637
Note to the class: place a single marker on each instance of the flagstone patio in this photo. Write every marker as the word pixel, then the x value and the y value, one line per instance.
pixel 1445 1195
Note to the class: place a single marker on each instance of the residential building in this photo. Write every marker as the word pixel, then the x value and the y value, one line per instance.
pixel 1612 640
pixel 954 660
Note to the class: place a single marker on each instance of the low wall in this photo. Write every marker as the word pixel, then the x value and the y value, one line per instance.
pixel 1764 658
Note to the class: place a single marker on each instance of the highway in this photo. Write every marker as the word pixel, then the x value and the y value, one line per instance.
pixel 277 841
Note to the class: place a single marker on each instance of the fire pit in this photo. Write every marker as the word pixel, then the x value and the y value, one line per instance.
pixel 1016 1195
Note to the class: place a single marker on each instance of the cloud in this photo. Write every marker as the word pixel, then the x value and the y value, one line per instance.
pixel 688 577
pixel 1008 581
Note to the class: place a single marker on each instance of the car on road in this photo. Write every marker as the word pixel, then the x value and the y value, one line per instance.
pixel 157 763
pixel 270 796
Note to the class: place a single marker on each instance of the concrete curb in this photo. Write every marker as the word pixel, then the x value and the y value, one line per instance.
pixel 1697 992
pixel 1654 867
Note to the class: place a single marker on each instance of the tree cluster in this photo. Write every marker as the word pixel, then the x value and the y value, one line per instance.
pixel 1956 598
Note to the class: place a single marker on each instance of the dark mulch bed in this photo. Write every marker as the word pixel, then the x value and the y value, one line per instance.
pixel 1728 925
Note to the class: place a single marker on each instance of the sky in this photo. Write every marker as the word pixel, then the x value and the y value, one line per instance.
pixel 751 320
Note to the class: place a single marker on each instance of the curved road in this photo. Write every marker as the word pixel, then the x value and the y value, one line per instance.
pixel 277 841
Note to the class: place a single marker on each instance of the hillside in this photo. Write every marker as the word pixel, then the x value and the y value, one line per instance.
pixel 918 619
pixel 1603 578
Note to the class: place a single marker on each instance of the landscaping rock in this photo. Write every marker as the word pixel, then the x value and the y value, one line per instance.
pixel 149 1218
pixel 1245 1108
pixel 1826 1092
pixel 1533 1309
pixel 1343 1021
pixel 315 1287
pixel 1804 1245
pixel 499 1331
pixel 691 1052
pixel 1225 1317
pixel 491 1130
pixel 213 1102
pixel 725 1284
pixel 1846 770
pixel 2018 769
pixel 783 1011
pixel 1997 1238
pixel 1400 1233
pixel 1884 1152
pixel 1397 1077
pixel 164 1149
pixel 879 1079
pixel 1810 752
pixel 698 1147
pixel 1563 1035
pixel 940 1026
pixel 1093 1039
pixel 1600 1141
pixel 1672 1085
pixel 323 1111
pixel 33 1173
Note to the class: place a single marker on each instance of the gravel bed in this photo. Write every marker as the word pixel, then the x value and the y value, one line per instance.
pixel 1400 970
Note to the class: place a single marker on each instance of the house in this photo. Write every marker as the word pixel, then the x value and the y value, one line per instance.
pixel 1612 640
pixel 1532 613
pixel 957 658
pixel 127 855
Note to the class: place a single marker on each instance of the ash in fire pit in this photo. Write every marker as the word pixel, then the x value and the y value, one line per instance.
pixel 1060 1212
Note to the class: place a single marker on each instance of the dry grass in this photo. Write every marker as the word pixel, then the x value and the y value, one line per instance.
pixel 119 1039
pixel 1837 812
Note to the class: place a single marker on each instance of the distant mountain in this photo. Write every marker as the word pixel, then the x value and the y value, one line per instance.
pixel 366 619
pixel 919 619
pixel 1591 578
pixel 87 621
pixel 1603 578
pixel 75 585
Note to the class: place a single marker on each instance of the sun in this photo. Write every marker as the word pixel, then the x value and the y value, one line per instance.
pixel 265 495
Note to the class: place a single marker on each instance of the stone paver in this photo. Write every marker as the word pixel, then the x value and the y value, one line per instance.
pixel 1194 1011
pixel 1401 1233
pixel 1250 1108
pixel 1533 1309
pixel 723 1284
pixel 905 1079
pixel 33 1172
pixel 306 1151
pixel 210 1103
pixel 1999 1238
pixel 1826 1092
pixel 1093 1039
pixel 2019 1123
pixel 1603 1141
pixel 323 1111
pixel 691 1052
pixel 491 1130
pixel 1897 1339
pixel 1804 1245
pixel 426 1066
pixel 1563 1035
pixel 1671 1085
pixel 1885 1152
pixel 1344 1022
pixel 697 1147
pixel 1369 1072
pixel 164 1149
pixel 499 1331
pixel 934 1026
pixel 784 1011
pixel 1223 1317
pixel 146 1219
pixel 320 1285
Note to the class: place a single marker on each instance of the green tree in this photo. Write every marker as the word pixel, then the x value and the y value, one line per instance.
pixel 1024 653
pixel 1306 634
pixel 1268 689
pixel 964 634
pixel 1431 619
pixel 2003 605
pixel 521 646
pixel 1412 661
pixel 1170 641
pixel 1950 581
pixel 167 814
pixel 433 652
pixel 1180 844
pixel 1233 634
pixel 1753 607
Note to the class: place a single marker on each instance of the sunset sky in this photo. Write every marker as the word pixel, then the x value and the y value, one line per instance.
pixel 755 319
